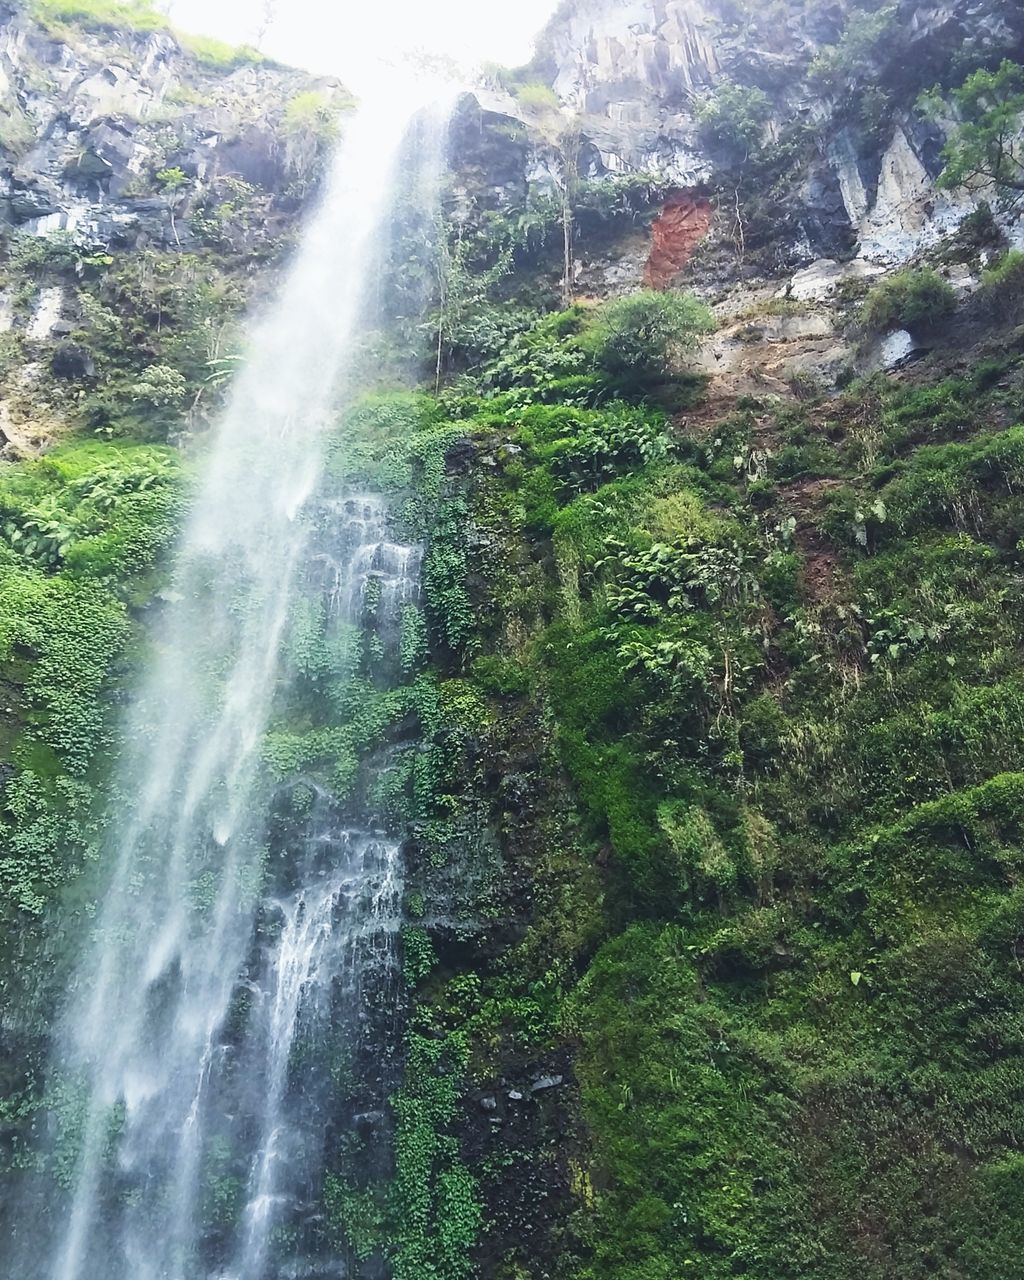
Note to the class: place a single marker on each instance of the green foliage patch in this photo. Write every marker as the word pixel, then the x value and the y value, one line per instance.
pixel 82 532
pixel 803 802
pixel 735 116
pixel 130 15
pixel 914 300
pixel 137 16
pixel 635 339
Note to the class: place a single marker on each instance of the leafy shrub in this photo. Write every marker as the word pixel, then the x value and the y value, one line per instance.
pixel 912 300
pixel 735 116
pixel 96 517
pixel 161 386
pixel 486 330
pixel 1007 273
pixel 636 339
pixel 536 361
pixel 1002 287
pixel 618 197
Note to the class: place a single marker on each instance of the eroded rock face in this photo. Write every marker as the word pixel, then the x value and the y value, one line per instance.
pixel 611 54
pixel 905 212
pixel 629 68
pixel 678 230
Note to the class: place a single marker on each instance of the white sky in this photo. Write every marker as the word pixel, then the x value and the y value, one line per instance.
pixel 340 37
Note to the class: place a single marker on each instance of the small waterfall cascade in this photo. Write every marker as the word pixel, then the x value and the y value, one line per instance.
pixel 322 993
pixel 243 963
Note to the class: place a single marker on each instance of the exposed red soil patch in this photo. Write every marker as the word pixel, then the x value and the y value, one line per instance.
pixel 683 223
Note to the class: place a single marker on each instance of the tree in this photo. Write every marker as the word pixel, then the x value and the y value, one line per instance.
pixel 988 145
pixel 267 19
pixel 563 135
pixel 174 183
pixel 160 386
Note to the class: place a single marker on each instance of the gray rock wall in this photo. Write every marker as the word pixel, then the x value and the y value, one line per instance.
pixel 636 72
pixel 93 116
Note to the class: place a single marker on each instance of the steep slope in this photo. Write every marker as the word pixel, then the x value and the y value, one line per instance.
pixel 713 923
pixel 742 664
pixel 143 182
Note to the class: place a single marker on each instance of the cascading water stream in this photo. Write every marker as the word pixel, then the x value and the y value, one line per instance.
pixel 188 939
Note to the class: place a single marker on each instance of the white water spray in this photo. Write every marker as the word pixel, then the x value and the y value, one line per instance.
pixel 148 1041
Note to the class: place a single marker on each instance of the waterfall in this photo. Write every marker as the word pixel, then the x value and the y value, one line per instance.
pixel 211 971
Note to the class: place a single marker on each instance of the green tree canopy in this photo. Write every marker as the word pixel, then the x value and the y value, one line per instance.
pixel 988 145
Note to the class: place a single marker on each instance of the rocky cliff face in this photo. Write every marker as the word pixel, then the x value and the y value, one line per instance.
pixel 776 165
pixel 642 80
pixel 715 926
pixel 93 116
pixel 141 181
pixel 755 157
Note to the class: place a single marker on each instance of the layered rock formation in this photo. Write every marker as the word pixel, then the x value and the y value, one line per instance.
pixel 638 76
pixel 94 116
pixel 180 165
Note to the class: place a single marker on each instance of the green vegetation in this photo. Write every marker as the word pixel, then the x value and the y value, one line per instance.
pixel 986 148
pixel 80 535
pixel 735 116
pixel 130 15
pixel 310 126
pixel 172 180
pixel 1002 288
pixel 436 1205
pixel 312 110
pixel 860 46
pixel 217 54
pixel 636 338
pixel 632 347
pixel 150 322
pixel 914 300
pixel 1004 276
pixel 707 733
pixel 17 132
pixel 786 922
pixel 137 16
pixel 537 98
